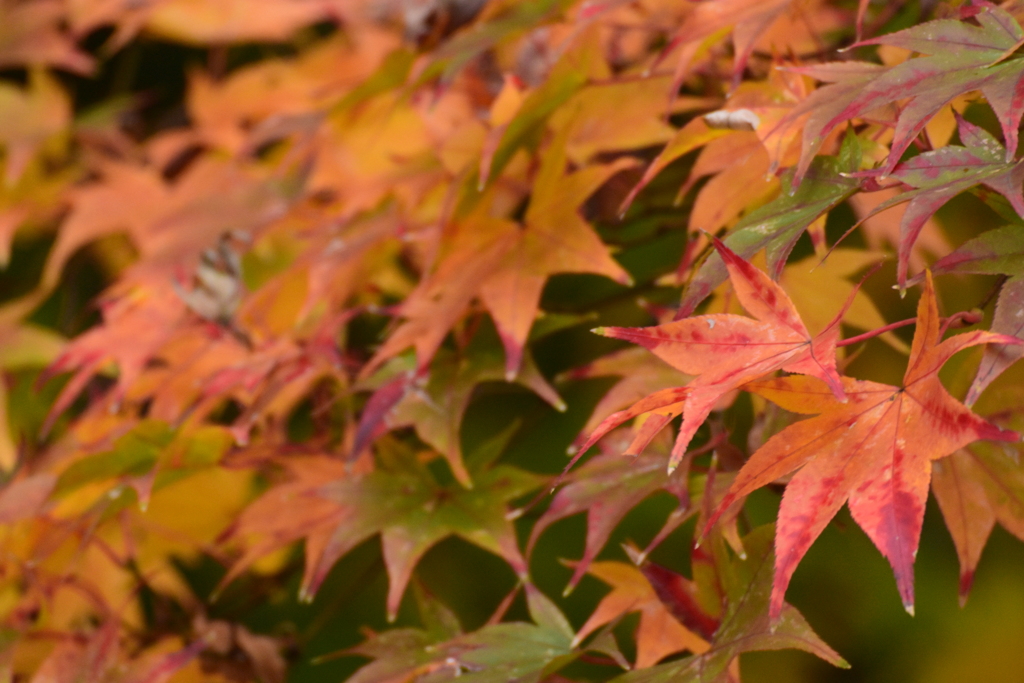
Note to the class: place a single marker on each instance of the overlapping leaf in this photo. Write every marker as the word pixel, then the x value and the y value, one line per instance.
pixel 436 410
pixel 976 487
pixel 412 511
pixel 659 633
pixel 999 251
pixel 745 627
pixel 514 651
pixel 874 452
pixel 939 175
pixel 507 265
pixel 776 226
pixel 972 53
pixel 726 351
pixel 31 34
pixel 607 487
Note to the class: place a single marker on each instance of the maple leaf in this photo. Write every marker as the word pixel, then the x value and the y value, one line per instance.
pixel 21 346
pixel 436 410
pixel 101 657
pixel 996 252
pixel 507 265
pixel 693 135
pixel 581 63
pixel 148 457
pixel 31 35
pixel 262 528
pixel 749 19
pixel 137 323
pixel 939 175
pixel 1008 319
pixel 131 198
pixel 229 21
pixel 28 118
pixel 607 487
pixel 615 116
pixel 976 487
pixel 807 278
pixel 659 633
pixel 555 239
pixel 517 18
pixel 172 227
pixel 756 107
pixel 514 651
pixel 25 496
pixel 412 511
pixel 745 626
pixel 496 653
pixel 738 166
pixel 874 452
pixel 639 379
pixel 776 226
pixel 281 97
pixel 726 351
pixel 881 230
pixel 959 57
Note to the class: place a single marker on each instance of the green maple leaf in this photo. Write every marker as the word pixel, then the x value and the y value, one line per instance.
pixel 436 410
pixel 150 456
pixel 411 509
pixel 497 653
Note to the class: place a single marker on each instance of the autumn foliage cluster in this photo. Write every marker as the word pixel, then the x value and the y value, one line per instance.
pixel 294 292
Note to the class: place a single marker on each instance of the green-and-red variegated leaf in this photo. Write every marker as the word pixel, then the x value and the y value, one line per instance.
pixel 1008 319
pixel 996 252
pixel 940 175
pixel 958 56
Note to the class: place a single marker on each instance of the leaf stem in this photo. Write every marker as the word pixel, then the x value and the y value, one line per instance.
pixel 876 332
pixel 962 319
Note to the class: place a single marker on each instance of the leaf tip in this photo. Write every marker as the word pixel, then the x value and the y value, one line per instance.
pixel 966 581
pixel 603 331
pixel 909 606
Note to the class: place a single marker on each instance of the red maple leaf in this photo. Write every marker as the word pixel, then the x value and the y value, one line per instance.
pixel 726 351
pixel 873 452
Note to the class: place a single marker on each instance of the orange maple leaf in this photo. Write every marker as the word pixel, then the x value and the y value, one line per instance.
pixel 506 265
pixel 873 452
pixel 726 351
pixel 659 633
